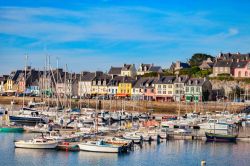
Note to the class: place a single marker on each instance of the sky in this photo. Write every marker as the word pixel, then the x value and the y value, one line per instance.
pixel 96 34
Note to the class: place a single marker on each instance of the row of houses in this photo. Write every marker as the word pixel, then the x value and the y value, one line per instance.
pixel 117 83
pixel 236 65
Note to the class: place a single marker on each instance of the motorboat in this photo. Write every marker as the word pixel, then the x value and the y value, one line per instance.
pixel 119 115
pixel 214 124
pixel 100 146
pixel 36 143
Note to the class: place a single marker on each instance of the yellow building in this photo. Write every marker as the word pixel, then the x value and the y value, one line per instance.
pixel 125 87
pixel 11 84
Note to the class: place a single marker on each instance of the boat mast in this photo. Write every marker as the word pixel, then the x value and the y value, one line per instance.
pixel 80 86
pixel 25 70
pixel 57 77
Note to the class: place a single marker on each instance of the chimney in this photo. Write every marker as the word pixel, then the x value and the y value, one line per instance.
pixel 177 65
pixel 158 76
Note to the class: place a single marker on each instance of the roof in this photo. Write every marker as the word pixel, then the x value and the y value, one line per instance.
pixel 144 67
pixel 145 82
pixel 128 80
pixel 88 76
pixel 115 70
pixel 181 79
pixel 155 69
pixel 166 80
pixel 195 82
pixel 229 56
pixel 115 81
pixel 240 64
pixel 127 67
pixel 223 64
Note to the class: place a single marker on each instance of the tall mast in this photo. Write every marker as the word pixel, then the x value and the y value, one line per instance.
pixel 65 90
pixel 25 70
pixel 57 76
pixel 80 90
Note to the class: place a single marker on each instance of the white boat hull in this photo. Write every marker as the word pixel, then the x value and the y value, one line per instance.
pixel 96 148
pixel 214 127
pixel 31 145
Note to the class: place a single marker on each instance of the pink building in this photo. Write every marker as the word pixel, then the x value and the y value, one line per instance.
pixel 242 69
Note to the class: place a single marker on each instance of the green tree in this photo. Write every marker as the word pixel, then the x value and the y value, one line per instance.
pixel 198 58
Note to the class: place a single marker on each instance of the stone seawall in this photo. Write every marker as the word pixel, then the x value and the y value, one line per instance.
pixel 141 106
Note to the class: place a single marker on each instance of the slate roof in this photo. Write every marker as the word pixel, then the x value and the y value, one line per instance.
pixel 145 82
pixel 181 79
pixel 155 69
pixel 115 81
pixel 142 67
pixel 126 67
pixel 166 80
pixel 115 70
pixel 229 56
pixel 240 64
pixel 195 82
pixel 87 76
pixel 223 64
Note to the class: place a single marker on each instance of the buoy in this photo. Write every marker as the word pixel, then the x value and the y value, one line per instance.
pixel 203 162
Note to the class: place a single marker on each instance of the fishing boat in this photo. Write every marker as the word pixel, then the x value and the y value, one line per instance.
pixel 133 137
pixel 220 137
pixel 100 146
pixel 36 143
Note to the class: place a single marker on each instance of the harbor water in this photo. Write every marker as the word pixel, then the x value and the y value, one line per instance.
pixel 174 152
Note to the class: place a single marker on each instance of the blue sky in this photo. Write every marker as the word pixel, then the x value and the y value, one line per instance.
pixel 93 35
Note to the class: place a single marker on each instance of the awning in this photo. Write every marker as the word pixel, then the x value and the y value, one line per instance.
pixel 122 95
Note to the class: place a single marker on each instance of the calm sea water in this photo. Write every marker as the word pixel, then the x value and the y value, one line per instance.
pixel 177 153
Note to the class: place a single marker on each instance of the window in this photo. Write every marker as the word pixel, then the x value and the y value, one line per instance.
pixel 246 74
pixel 197 89
pixel 239 73
pixel 169 92
pixel 169 86
pixel 152 90
pixel 159 86
pixel 164 92
pixel 159 92
pixel 187 89
pixel 145 90
pixel 192 89
pixel 164 86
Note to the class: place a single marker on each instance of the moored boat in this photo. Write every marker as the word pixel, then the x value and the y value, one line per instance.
pixel 36 143
pixel 11 129
pixel 100 146
pixel 220 137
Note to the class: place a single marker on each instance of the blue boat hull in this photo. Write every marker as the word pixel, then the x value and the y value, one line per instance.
pixel 26 119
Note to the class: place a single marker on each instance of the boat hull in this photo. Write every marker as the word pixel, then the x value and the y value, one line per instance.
pixel 102 149
pixel 12 129
pixel 30 145
pixel 220 137
pixel 26 119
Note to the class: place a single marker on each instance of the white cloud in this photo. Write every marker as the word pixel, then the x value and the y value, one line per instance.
pixel 233 32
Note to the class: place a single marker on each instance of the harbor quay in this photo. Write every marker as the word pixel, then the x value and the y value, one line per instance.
pixel 158 107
